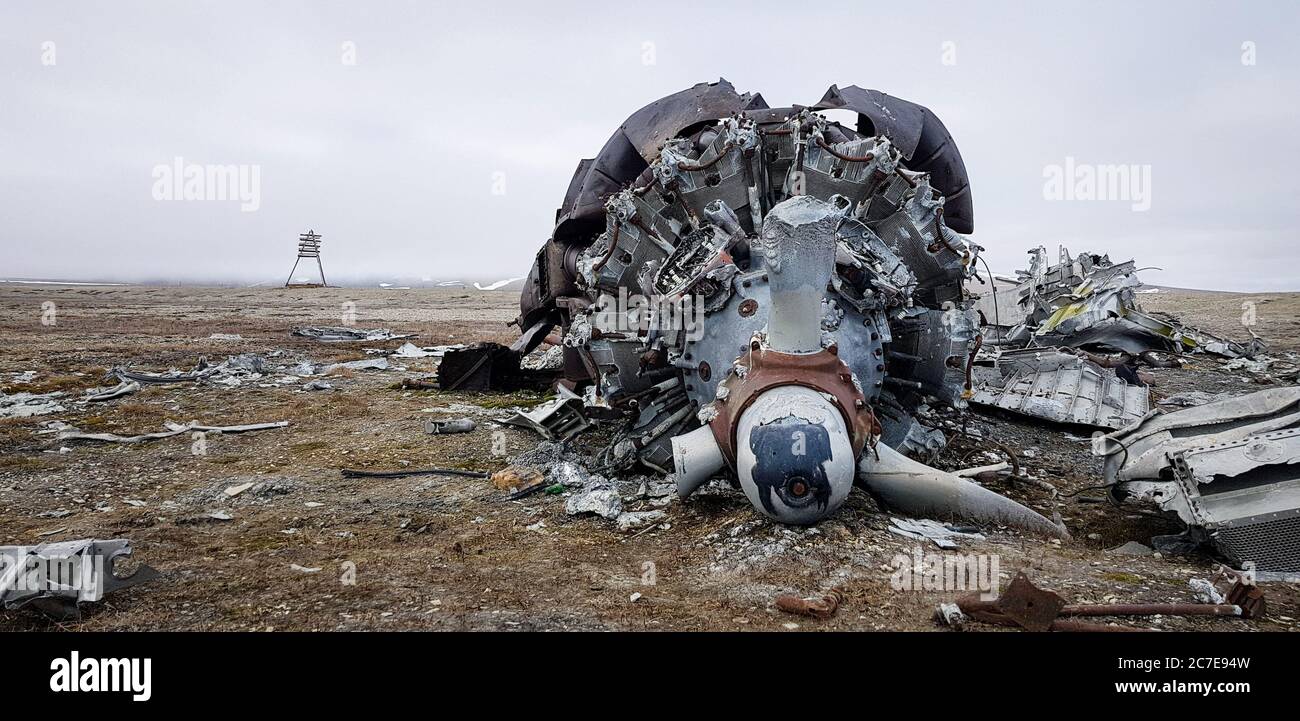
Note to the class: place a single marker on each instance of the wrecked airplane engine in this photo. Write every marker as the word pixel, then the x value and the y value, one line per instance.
pixel 769 296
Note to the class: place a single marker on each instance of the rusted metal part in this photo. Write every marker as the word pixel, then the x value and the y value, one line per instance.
pixel 613 245
pixel 822 608
pixel 970 368
pixel 822 371
pixel 1029 606
pixel 1034 609
pixel 1083 626
pixel 1248 597
pixel 1152 609
pixel 696 167
pixel 705 371
pixel 987 612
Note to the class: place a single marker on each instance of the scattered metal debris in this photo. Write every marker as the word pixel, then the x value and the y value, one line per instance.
pixel 201 371
pixel 173 429
pixel 1088 301
pixel 365 364
pixel 562 418
pixel 1228 469
pixel 26 405
pixel 231 372
pixel 1064 388
pixel 633 520
pixel 949 614
pixel 1205 591
pixel 599 496
pixel 411 350
pixel 56 578
pixel 924 529
pixel 1267 369
pixel 121 389
pixel 348 333
pixel 457 425
pixel 1034 609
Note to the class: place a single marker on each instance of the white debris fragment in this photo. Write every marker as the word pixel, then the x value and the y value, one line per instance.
pixel 26 405
pixel 570 474
pixel 632 520
pixel 69 433
pixel 348 333
pixel 598 497
pixel 121 389
pixel 1204 591
pixel 365 364
pixel 925 529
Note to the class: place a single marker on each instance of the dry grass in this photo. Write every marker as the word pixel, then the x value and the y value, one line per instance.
pixel 68 383
pixel 441 551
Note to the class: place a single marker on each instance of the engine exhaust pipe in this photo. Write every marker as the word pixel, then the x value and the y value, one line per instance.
pixel 798 248
pixel 696 458
pixel 919 490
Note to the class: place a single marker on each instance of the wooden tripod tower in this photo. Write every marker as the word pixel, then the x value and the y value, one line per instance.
pixel 308 247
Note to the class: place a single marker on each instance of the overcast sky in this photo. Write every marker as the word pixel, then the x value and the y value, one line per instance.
pixel 436 139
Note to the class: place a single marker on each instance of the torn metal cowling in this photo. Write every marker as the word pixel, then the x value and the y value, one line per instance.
pixel 1230 470
pixel 57 577
pixel 1064 388
pixel 746 285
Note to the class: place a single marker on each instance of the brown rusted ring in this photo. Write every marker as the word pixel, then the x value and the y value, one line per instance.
pixel 822 371
pixel 683 165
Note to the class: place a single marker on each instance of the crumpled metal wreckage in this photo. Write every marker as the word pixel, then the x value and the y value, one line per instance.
pixel 1064 388
pixel 1230 469
pixel 766 295
pixel 56 578
pixel 1087 301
